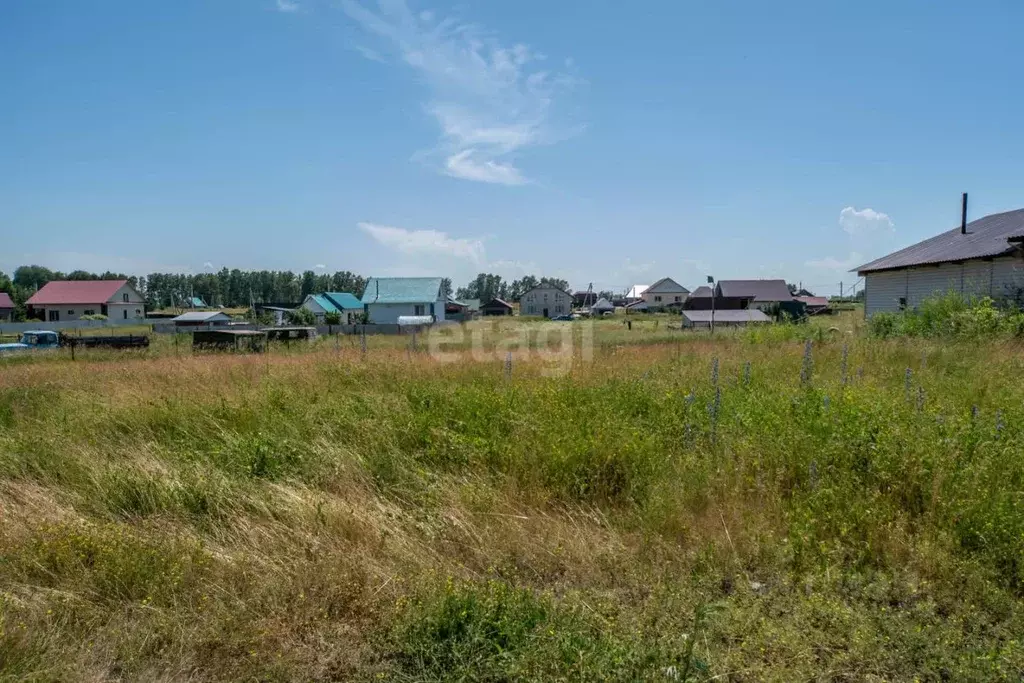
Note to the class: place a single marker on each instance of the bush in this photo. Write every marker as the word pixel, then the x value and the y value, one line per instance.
pixel 951 315
pixel 94 316
pixel 332 318
pixel 302 316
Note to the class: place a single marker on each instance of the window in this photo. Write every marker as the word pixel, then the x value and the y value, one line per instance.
pixel 545 296
pixel 53 316
pixel 903 303
pixel 89 311
pixel 418 309
pixel 679 298
pixel 125 311
pixel 558 308
pixel 138 313
pixel 71 312
pixel 657 298
pixel 124 297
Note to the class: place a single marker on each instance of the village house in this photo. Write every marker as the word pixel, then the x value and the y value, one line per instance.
pixel 980 258
pixel 496 307
pixel 602 307
pixel 386 299
pixel 64 300
pixel 545 301
pixel 665 293
pixel 736 295
pixel 347 306
pixel 6 307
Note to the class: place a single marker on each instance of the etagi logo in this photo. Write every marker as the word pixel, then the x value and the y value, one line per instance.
pixel 556 345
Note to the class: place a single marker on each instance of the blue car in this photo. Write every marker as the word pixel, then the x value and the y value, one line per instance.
pixel 33 340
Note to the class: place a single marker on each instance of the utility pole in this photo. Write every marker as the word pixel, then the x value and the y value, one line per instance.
pixel 840 290
pixel 711 281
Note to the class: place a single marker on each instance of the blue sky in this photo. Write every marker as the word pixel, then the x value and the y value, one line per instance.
pixel 598 141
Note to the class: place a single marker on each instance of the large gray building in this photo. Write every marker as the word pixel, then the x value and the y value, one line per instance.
pixel 981 258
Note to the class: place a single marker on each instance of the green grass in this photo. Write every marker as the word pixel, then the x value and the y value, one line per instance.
pixel 314 514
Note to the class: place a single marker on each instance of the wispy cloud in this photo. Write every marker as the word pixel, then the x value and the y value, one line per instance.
pixel 287 6
pixel 864 222
pixel 490 101
pixel 320 266
pixel 426 242
pixel 369 53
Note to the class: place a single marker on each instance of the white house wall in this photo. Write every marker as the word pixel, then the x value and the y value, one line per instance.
pixel 388 314
pixel 1001 277
pixel 553 299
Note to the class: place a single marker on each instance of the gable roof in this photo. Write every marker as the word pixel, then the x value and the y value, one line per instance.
pixel 636 291
pixel 59 292
pixel 196 302
pixel 666 284
pixel 323 302
pixel 343 300
pixel 813 300
pixel 567 293
pixel 993 235
pixel 497 302
pixel 757 290
pixel 5 300
pixel 603 304
pixel 702 292
pixel 402 290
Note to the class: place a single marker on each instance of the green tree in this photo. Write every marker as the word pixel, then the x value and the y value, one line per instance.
pixel 332 318
pixel 302 316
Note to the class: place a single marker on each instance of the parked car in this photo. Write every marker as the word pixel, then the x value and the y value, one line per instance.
pixel 33 340
pixel 562 318
pixel 41 340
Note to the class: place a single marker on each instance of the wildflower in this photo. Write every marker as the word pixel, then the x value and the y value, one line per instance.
pixel 808 364
pixel 842 367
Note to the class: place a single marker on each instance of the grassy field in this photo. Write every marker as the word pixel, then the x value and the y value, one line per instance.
pixel 749 507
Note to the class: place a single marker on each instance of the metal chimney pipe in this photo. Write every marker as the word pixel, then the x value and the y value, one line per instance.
pixel 963 217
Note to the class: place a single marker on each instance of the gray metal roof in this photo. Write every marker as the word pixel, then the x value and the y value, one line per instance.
pixel 758 290
pixel 702 292
pixel 749 315
pixel 201 317
pixel 985 237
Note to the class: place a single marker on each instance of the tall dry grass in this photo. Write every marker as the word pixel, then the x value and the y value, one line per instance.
pixel 324 515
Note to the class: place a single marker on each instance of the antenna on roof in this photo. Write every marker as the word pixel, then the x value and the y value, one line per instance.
pixel 963 217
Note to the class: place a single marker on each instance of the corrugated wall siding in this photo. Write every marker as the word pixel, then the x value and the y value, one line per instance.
pixel 998 278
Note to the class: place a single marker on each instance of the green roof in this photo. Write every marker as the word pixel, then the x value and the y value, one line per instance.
pixel 323 302
pixel 343 300
pixel 402 290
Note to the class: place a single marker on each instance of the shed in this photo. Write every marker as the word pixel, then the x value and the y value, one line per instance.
pixel 727 318
pixel 386 299
pixel 229 340
pixel 602 306
pixel 496 307
pixel 195 318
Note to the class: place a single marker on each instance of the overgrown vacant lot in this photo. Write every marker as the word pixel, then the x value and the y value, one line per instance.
pixel 325 516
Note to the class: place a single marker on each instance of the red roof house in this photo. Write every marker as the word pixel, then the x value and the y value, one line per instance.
pixel 5 301
pixel 71 299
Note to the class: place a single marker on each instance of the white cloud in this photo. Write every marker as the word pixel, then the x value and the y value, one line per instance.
pixel 287 6
pixel 208 265
pixel 320 266
pixel 864 222
pixel 637 268
pixel 426 242
pixel 490 101
pixel 369 53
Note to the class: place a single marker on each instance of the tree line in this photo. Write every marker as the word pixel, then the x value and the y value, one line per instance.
pixel 235 288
